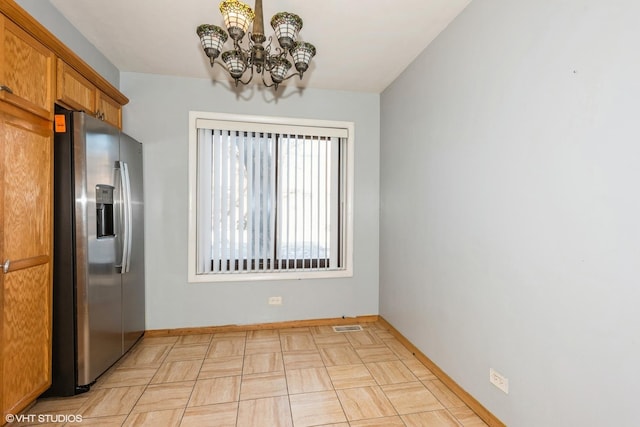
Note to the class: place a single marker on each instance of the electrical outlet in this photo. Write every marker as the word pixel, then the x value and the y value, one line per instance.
pixel 275 300
pixel 499 380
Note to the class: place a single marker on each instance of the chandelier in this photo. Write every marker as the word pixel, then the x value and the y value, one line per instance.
pixel 257 58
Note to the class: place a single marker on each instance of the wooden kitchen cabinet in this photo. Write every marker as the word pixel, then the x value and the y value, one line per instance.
pixel 26 205
pixel 74 91
pixel 27 80
pixel 77 93
pixel 27 73
pixel 109 110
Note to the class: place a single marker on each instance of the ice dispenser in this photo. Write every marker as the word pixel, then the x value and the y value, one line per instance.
pixel 104 210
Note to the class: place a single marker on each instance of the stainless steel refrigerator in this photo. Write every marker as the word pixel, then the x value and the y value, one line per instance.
pixel 98 273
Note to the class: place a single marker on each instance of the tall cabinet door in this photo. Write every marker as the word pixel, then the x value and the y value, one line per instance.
pixel 26 166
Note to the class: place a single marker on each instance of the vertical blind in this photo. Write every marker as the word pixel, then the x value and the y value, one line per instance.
pixel 270 201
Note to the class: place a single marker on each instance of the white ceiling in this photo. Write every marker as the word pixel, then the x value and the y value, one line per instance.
pixel 362 45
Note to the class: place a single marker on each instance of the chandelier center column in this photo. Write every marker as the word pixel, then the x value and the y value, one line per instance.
pixel 258 24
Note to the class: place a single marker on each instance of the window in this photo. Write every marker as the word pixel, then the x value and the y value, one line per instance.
pixel 270 198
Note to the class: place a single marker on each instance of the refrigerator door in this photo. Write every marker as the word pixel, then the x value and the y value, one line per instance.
pixel 97 233
pixel 133 305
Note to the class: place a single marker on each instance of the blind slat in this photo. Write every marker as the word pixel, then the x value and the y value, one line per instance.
pixel 233 199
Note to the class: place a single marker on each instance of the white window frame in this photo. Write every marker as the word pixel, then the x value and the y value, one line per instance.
pixel 196 119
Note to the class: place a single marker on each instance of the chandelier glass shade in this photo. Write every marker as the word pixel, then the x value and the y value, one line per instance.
pixel 272 61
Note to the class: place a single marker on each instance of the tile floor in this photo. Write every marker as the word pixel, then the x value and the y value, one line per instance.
pixel 270 378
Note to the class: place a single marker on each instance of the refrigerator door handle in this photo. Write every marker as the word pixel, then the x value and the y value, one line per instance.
pixel 124 216
pixel 129 215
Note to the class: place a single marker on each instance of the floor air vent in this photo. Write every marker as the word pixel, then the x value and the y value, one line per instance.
pixel 348 328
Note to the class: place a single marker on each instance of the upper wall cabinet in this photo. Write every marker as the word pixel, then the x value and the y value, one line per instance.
pixel 74 91
pixel 108 109
pixel 77 93
pixel 27 72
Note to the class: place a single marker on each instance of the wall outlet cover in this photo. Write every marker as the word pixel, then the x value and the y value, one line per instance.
pixel 499 380
pixel 275 300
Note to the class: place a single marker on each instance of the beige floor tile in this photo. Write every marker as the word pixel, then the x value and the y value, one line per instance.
pixel 215 390
pixel 262 363
pixel 292 331
pixel 334 356
pixel 393 372
pixel 270 411
pixel 158 340
pixel 66 405
pixel 350 376
pixel 221 415
pixel 373 326
pixel 375 353
pixel 226 347
pixel 383 334
pixel 379 422
pixel 221 367
pixel 263 333
pixel 408 398
pixel 312 409
pixel 302 359
pixel 364 403
pixel 362 339
pixel 431 419
pixel 182 370
pixel 147 356
pixel 419 370
pixel 164 396
pixel 47 420
pixel 308 380
pixel 263 345
pixel 400 350
pixel 187 352
pixel 111 401
pixel 331 340
pixel 297 342
pixel 467 417
pixel 444 394
pixel 230 335
pixel 199 339
pixel 257 386
pixel 33 422
pixel 322 330
pixel 113 421
pixel 164 418
pixel 125 377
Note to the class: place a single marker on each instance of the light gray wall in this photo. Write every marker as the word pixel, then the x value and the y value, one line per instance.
pixel 158 116
pixel 54 21
pixel 510 210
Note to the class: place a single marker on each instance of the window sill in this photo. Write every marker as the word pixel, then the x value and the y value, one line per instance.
pixel 262 276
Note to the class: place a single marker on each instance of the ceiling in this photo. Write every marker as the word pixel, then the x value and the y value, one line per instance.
pixel 362 45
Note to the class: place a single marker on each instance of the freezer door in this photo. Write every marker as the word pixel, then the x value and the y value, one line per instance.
pixel 99 291
pixel 133 291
